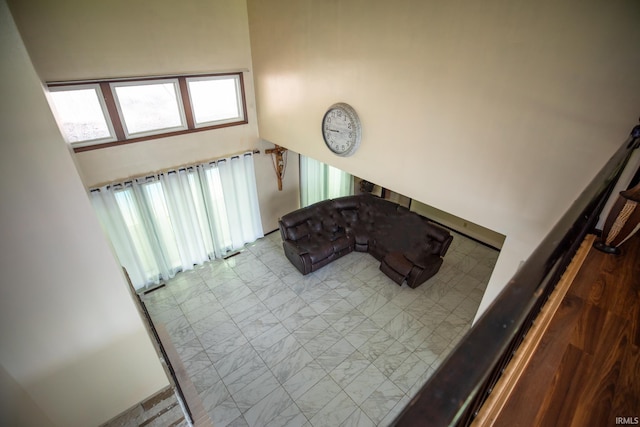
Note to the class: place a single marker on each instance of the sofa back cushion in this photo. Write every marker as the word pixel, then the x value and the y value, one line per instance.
pixel 298 232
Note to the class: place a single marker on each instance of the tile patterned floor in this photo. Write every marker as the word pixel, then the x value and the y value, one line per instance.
pixel 343 346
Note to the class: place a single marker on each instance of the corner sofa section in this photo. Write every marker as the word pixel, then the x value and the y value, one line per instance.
pixel 408 246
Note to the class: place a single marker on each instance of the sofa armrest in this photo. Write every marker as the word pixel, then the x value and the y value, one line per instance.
pixel 291 247
pixel 299 257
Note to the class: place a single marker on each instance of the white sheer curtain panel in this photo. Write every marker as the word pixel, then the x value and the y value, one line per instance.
pixel 319 181
pixel 166 223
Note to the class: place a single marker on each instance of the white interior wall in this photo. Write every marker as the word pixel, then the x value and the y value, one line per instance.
pixel 499 112
pixel 71 341
pixel 75 39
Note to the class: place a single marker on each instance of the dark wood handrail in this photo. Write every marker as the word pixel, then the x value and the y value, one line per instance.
pixel 460 385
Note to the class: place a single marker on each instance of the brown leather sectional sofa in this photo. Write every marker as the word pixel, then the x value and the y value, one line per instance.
pixel 408 245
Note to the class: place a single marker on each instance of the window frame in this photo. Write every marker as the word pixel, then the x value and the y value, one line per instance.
pixel 115 120
pixel 181 110
pixel 239 100
pixel 101 101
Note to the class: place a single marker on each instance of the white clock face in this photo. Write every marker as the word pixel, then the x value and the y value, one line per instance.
pixel 341 129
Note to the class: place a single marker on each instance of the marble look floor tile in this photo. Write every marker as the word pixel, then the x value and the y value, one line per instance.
pixel 349 369
pixel 385 314
pixel 322 342
pixel 249 371
pixel 167 316
pixel 419 306
pixel 222 349
pixel 242 308
pixel 280 298
pixel 188 350
pixel 310 329
pixel 415 336
pixel 189 291
pixel 312 293
pixel 335 412
pixel 292 364
pixel 274 334
pixel 320 305
pixel 260 285
pixel 268 408
pixel 280 350
pixel 214 396
pixel 255 391
pixel 318 396
pixel 204 378
pixel 365 383
pixel 359 296
pixel 362 333
pixel 467 309
pixel 298 319
pixel 219 334
pixel 376 345
pixel 409 372
pixel 224 413
pixel 335 355
pixel 372 304
pixel 451 327
pixel 197 314
pixel 235 360
pixel 431 349
pixel 401 324
pixel 392 358
pixel 239 292
pixel 251 271
pixel 158 301
pixel 381 401
pixel 205 298
pixel 196 363
pixel 238 422
pixel 296 278
pixel 435 316
pixel 290 417
pixel 337 311
pixel 357 419
pixel 214 319
pixel 405 298
pixel 183 336
pixel 304 379
pixel 258 325
pixel 177 324
pixel 451 300
pixel 347 322
pixel 291 307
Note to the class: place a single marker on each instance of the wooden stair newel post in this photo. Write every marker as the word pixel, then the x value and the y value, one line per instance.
pixel 279 162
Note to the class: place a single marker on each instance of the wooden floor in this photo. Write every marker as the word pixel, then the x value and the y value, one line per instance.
pixel 586 370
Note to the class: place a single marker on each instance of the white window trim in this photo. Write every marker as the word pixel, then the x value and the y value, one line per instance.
pixel 236 79
pixel 176 86
pixel 103 106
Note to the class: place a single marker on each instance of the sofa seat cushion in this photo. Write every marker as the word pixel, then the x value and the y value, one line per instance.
pixel 317 249
pixel 341 243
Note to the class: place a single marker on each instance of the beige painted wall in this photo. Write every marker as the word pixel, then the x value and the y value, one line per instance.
pixel 498 112
pixel 17 408
pixel 75 39
pixel 70 335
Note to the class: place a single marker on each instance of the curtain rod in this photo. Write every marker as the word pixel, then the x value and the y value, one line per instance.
pixel 172 169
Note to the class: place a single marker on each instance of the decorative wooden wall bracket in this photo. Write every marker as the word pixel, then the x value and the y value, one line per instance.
pixel 279 157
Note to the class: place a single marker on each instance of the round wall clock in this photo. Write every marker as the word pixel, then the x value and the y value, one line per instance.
pixel 341 129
